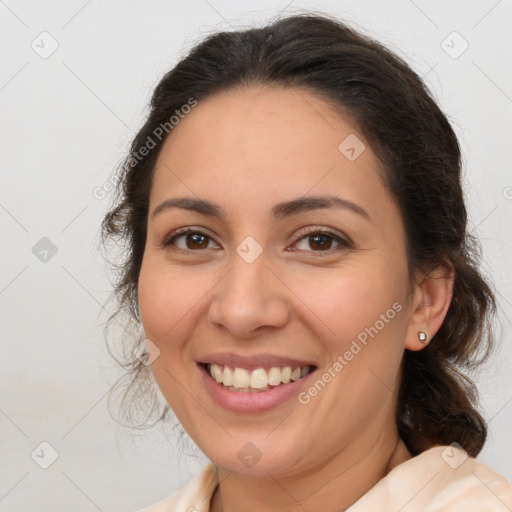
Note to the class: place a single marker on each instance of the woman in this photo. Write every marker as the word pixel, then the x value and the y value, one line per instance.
pixel 297 256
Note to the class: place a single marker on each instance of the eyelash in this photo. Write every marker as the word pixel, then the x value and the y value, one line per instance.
pixel 305 233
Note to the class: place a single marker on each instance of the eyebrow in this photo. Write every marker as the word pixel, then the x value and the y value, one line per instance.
pixel 278 212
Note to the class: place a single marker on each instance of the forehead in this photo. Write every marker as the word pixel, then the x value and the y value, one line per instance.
pixel 261 144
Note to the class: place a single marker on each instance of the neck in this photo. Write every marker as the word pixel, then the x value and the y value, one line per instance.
pixel 333 486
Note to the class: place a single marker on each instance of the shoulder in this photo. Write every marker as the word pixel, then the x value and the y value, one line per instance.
pixel 194 496
pixel 442 479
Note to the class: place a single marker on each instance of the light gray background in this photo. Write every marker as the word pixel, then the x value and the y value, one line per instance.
pixel 66 123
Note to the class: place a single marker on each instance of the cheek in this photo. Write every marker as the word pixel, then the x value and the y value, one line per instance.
pixel 361 314
pixel 353 298
pixel 164 301
pixel 154 303
pixel 166 311
pixel 362 326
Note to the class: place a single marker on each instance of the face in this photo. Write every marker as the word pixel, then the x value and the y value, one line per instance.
pixel 288 252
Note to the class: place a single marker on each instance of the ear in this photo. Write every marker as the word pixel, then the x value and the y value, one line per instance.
pixel 432 296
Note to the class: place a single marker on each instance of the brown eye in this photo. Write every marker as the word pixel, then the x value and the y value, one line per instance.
pixel 188 240
pixel 196 241
pixel 320 241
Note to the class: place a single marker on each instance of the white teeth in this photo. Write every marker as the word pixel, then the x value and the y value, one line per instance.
pixel 295 374
pixel 228 377
pixel 274 376
pixel 240 379
pixel 286 374
pixel 216 372
pixel 259 379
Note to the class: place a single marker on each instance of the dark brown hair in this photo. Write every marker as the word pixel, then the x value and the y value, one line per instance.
pixel 419 151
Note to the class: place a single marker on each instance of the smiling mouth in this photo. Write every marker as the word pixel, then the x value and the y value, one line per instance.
pixel 258 380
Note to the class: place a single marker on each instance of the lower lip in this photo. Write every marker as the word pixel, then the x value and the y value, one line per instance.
pixel 252 402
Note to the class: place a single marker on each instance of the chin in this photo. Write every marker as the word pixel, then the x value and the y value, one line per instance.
pixel 260 457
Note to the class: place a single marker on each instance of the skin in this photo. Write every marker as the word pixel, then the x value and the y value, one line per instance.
pixel 248 150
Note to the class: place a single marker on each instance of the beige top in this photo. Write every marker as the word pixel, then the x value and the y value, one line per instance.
pixel 442 479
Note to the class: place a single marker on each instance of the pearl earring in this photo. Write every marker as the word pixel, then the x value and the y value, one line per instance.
pixel 422 337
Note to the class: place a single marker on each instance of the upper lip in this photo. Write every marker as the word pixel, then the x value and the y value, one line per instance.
pixel 254 361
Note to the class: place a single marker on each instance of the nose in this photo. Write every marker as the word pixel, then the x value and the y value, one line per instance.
pixel 250 300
